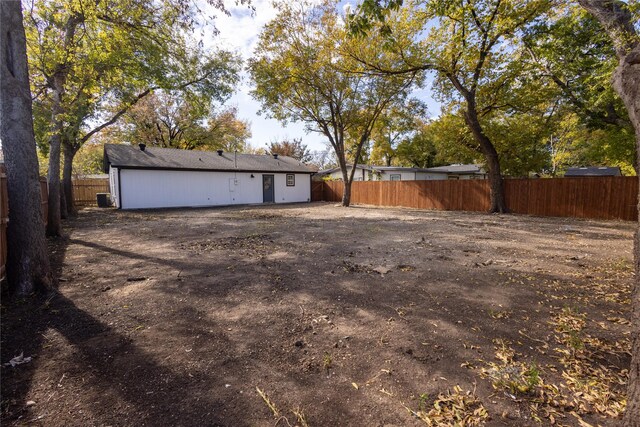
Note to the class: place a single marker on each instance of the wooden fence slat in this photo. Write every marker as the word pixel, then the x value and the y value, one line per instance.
pixel 85 190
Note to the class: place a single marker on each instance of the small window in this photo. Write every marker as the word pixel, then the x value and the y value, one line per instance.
pixel 291 180
pixel 395 177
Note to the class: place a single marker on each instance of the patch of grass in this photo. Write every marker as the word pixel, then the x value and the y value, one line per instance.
pixel 302 420
pixel 298 413
pixel 586 384
pixel 327 361
pixel 272 406
pixel 500 314
pixel 452 408
pixel 591 386
pixel 516 378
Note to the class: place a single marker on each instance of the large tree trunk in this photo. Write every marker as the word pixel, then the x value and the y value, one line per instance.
pixel 626 81
pixel 618 22
pixel 497 197
pixel 28 263
pixel 54 224
pixel 58 84
pixel 63 204
pixel 67 177
pixel 496 184
pixel 346 194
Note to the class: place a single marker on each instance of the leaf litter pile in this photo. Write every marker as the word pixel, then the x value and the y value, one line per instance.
pixel 316 315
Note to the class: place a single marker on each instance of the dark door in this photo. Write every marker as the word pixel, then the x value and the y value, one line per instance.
pixel 267 189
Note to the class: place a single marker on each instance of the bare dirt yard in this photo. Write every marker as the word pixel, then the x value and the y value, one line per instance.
pixel 318 315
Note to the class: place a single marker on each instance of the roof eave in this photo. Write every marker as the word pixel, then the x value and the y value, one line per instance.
pixel 208 169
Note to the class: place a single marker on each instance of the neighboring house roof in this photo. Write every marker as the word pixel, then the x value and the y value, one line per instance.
pixel 132 157
pixel 336 169
pixel 395 168
pixel 93 176
pixel 451 169
pixel 594 171
pixel 460 169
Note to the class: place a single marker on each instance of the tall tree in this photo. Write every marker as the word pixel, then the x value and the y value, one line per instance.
pixel 290 148
pixel 28 262
pixel 302 74
pixel 173 120
pixel 227 131
pixel 395 126
pixel 419 150
pixel 619 22
pixel 473 48
pixel 90 55
pixel 570 51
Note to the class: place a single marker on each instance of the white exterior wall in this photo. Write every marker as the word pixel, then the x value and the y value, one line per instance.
pixel 301 192
pixel 426 176
pixel 113 186
pixel 360 175
pixel 404 176
pixel 166 188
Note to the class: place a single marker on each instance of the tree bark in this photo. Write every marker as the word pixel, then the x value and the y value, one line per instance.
pixel 626 81
pixel 28 267
pixel 57 86
pixel 346 194
pixel 63 204
pixel 54 225
pixel 618 22
pixel 67 177
pixel 497 197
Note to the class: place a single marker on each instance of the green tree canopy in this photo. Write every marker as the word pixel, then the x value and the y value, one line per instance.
pixel 395 126
pixel 474 49
pixel 172 120
pixel 292 148
pixel 92 60
pixel 303 72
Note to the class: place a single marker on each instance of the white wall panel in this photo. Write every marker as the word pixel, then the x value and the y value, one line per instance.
pixel 404 176
pixel 163 188
pixel 113 186
pixel 425 176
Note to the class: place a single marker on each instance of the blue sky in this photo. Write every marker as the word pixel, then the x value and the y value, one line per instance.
pixel 239 32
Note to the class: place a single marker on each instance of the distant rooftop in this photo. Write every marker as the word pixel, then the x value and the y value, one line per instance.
pixel 594 171
pixel 455 169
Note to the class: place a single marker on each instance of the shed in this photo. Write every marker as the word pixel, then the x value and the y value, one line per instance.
pixel 149 177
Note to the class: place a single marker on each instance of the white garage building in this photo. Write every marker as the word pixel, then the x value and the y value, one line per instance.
pixel 148 177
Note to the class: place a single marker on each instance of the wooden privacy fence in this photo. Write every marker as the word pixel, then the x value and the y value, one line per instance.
pixel 85 190
pixel 590 197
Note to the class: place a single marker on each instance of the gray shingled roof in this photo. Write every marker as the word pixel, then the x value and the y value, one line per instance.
pixel 349 166
pixel 132 157
pixel 457 169
pixel 594 171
